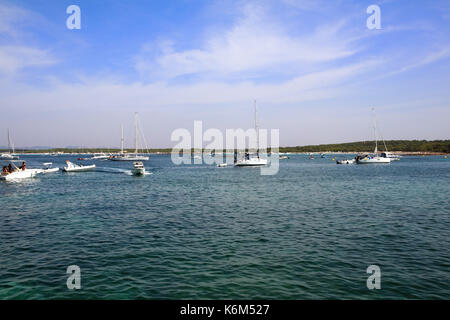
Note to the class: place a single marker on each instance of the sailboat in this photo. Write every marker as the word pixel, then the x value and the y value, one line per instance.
pixel 252 160
pixel 9 155
pixel 123 156
pixel 375 157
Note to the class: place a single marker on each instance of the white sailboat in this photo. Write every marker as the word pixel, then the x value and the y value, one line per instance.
pixel 252 160
pixel 9 155
pixel 375 157
pixel 123 156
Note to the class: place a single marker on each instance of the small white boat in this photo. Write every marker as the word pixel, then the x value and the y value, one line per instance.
pixel 19 174
pixel 72 167
pixel 346 161
pixel 283 157
pixel 99 156
pixel 48 168
pixel 138 169
pixel 222 165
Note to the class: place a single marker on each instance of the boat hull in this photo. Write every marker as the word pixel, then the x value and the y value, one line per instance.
pixel 140 158
pixel 374 160
pixel 251 163
pixel 138 172
pixel 79 169
pixel 22 174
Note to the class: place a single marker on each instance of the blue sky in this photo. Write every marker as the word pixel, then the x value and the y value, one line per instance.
pixel 314 68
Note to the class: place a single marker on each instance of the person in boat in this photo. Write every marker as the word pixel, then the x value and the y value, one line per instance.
pixel 10 168
pixel 5 169
pixel 23 166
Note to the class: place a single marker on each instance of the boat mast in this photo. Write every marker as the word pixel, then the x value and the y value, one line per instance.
pixel 121 139
pixel 9 141
pixel 135 133
pixel 375 131
pixel 256 129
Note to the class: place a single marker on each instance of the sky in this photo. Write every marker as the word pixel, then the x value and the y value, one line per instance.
pixel 314 67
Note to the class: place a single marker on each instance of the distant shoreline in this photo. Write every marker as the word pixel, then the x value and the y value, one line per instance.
pixel 400 147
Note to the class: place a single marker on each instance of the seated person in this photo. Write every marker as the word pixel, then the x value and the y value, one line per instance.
pixel 23 166
pixel 5 169
pixel 10 168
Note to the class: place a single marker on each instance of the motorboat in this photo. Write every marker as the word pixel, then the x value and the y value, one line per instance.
pixel 138 169
pixel 48 168
pixel 72 167
pixel 222 165
pixel 283 157
pixel 19 174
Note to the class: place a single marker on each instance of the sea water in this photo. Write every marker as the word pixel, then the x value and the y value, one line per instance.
pixel 202 232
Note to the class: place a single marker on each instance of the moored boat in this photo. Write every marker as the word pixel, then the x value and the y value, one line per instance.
pixel 123 156
pixel 253 160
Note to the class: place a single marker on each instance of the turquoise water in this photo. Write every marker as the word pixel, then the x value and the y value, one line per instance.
pixel 202 232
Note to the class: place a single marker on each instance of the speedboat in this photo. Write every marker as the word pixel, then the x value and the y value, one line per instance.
pixel 138 169
pixel 48 168
pixel 19 174
pixel 72 167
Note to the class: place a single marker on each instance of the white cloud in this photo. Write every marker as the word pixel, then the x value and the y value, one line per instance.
pixel 16 54
pixel 254 43
pixel 15 58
